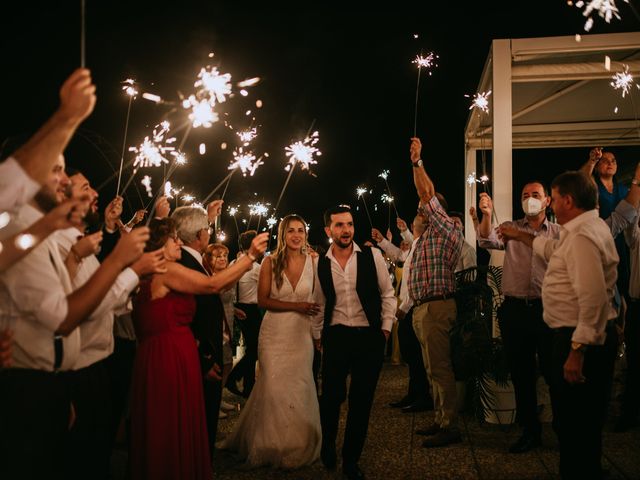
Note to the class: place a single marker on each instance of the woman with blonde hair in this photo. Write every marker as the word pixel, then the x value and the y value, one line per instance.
pixel 280 424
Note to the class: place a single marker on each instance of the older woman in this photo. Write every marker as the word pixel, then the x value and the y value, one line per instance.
pixel 168 428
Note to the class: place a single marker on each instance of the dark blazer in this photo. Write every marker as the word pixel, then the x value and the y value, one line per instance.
pixel 207 321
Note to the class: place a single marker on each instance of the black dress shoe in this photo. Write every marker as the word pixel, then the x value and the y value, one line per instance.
pixel 352 471
pixel 328 456
pixel 405 402
pixel 421 406
pixel 525 443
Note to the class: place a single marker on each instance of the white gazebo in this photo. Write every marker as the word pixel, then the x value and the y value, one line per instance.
pixel 547 93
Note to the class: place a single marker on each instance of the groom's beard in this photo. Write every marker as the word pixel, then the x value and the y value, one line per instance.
pixel 343 243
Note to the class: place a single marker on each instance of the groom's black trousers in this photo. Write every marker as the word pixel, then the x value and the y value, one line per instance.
pixel 358 351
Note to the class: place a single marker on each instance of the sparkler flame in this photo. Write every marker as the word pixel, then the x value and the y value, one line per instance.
pixel 221 236
pixel 481 101
pixel 386 198
pixel 623 81
pixel 471 179
pixel 259 209
pixel 233 211
pixel 152 151
pixel 303 152
pixel 214 85
pixel 384 174
pixel 271 222
pixel 426 62
pixel 202 114
pixel 5 218
pixel 606 9
pixel 129 87
pixel 25 241
pixel 249 82
pixel 246 162
pixel 247 136
pixel 188 198
pixel 360 191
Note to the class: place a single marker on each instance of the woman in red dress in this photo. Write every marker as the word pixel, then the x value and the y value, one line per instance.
pixel 168 424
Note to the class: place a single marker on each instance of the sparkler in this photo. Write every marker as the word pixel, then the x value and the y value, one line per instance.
pixel 146 181
pixel 130 89
pixel 361 191
pixel 245 162
pixel 605 9
pixel 388 199
pixel 214 85
pixel 233 211
pixel 25 241
pixel 5 218
pixel 385 175
pixel 247 136
pixel 427 63
pixel 202 114
pixel 152 152
pixel 303 153
pixel 221 236
pixel 82 34
pixel 623 81
pixel 260 209
pixel 480 101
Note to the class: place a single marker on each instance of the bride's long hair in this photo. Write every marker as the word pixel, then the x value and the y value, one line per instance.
pixel 279 258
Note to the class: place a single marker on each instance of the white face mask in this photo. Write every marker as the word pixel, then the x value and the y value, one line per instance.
pixel 532 206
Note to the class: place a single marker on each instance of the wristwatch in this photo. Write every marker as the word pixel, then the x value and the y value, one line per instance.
pixel 417 164
pixel 578 347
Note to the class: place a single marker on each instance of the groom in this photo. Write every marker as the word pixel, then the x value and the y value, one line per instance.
pixel 359 311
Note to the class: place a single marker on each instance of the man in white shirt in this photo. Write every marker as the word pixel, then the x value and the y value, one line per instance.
pixel 44 312
pixel 89 383
pixel 358 314
pixel 247 301
pixel 577 295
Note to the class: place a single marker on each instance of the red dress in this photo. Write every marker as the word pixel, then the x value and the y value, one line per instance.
pixel 168 427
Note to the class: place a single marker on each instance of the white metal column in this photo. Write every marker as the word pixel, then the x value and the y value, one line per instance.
pixel 470 196
pixel 501 177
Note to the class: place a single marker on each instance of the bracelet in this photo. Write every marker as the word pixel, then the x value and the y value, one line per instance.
pixel 251 256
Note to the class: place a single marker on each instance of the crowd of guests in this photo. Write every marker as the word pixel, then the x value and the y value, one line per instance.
pixel 109 326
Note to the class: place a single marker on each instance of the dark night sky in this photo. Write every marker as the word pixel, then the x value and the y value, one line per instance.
pixel 349 71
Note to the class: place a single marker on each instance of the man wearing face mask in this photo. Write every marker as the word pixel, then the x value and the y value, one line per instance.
pixel 523 330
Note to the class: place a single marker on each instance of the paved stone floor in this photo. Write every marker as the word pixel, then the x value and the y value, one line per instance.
pixel 393 452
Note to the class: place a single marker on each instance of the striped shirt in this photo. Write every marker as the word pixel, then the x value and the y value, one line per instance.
pixel 436 254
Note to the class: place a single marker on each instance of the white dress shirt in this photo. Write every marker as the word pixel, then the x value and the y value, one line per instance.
pixel 405 299
pixel 16 187
pixel 467 258
pixel 394 253
pixel 348 309
pixel 96 332
pixel 578 287
pixel 247 289
pixel 35 299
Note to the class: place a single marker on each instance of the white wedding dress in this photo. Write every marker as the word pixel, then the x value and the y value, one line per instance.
pixel 280 423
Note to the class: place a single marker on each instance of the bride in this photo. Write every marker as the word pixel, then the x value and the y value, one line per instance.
pixel 280 423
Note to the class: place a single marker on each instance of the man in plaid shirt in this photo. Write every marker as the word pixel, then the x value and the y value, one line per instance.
pixel 431 287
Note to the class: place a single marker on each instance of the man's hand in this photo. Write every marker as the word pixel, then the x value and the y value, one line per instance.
pixel 6 341
pixel 87 245
pixel 77 97
pixel 215 374
pixel 389 234
pixel 137 218
pixel 112 213
pixel 162 207
pixel 150 263
pixel 402 225
pixel 130 246
pixel 415 149
pixel 259 244
pixel 386 334
pixel 485 204
pixel 214 209
pixel 307 308
pixel 369 244
pixel 68 214
pixel 573 368
pixel 376 235
pixel 595 154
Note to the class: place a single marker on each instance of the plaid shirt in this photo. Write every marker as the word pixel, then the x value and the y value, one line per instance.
pixel 436 254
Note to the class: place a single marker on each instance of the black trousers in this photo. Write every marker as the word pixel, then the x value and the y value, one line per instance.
pixel 120 368
pixel 245 369
pixel 411 352
pixel 34 420
pixel 212 391
pixel 579 410
pixel 524 334
pixel 631 397
pixel 90 441
pixel 358 352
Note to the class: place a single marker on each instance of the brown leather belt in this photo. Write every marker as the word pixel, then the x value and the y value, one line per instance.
pixel 444 296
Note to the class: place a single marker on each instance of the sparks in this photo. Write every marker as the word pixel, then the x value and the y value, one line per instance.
pixel 152 151
pixel 246 162
pixel 247 136
pixel 426 62
pixel 386 198
pixel 271 222
pixel 188 198
pixel 152 98
pixel 202 149
pixel 605 9
pixel 146 181
pixel 259 209
pixel 249 82
pixel 5 218
pixel 360 191
pixel 384 174
pixel 303 152
pixel 623 81
pixel 480 101
pixel 233 211
pixel 202 114
pixel 221 236
pixel 168 190
pixel 129 87
pixel 471 179
pixel 213 85
pixel 484 178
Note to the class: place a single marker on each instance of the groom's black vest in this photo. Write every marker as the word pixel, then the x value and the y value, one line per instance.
pixel 366 287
